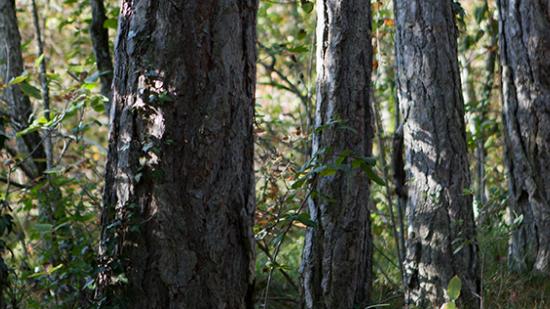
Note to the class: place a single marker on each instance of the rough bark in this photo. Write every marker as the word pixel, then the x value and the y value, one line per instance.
pixel 337 258
pixel 19 108
pixel 100 42
pixel 441 232
pixel 525 59
pixel 19 105
pixel 179 193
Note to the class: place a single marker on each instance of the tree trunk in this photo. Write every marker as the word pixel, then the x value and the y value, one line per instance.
pixel 20 109
pixel 441 236
pixel 337 259
pixel 100 41
pixel 179 193
pixel 525 57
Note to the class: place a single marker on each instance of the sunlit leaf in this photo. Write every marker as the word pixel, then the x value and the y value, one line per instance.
pixel 454 287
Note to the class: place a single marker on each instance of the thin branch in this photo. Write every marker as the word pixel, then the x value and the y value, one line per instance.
pixel 45 88
pixel 21 164
pixel 8 181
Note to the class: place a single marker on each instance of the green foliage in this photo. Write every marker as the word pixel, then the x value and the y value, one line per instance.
pixel 49 224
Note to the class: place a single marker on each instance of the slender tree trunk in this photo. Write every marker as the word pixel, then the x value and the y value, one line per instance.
pixel 337 259
pixel 481 105
pixel 100 41
pixel 486 95
pixel 441 240
pixel 525 58
pixel 179 193
pixel 20 109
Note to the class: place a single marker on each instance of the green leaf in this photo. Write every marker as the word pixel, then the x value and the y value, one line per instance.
pixel 370 161
pixel 18 79
pixel 38 60
pixel 98 103
pixel 165 97
pixel 449 305
pixel 34 126
pixel 328 171
pixel 110 23
pixel 479 13
pixel 54 269
pixel 298 49
pixel 30 90
pixel 36 275
pixel 302 34
pixel 372 175
pixel 455 285
pixel 307 6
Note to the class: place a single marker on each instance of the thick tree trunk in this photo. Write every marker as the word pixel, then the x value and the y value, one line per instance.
pixel 20 110
pixel 441 240
pixel 100 42
pixel 337 259
pixel 179 192
pixel 525 57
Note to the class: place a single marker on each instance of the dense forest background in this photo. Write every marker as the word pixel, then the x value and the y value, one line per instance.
pixel 50 220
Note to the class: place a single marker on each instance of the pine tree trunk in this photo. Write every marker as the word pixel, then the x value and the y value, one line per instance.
pixel 179 193
pixel 441 236
pixel 525 59
pixel 337 259
pixel 19 105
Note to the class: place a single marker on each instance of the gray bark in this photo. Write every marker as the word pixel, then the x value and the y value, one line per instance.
pixel 100 42
pixel 441 234
pixel 525 58
pixel 19 105
pixel 19 108
pixel 337 257
pixel 179 193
